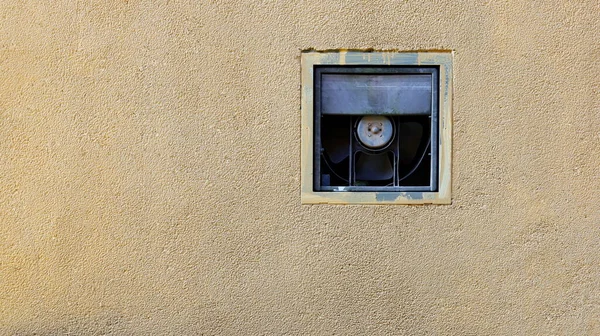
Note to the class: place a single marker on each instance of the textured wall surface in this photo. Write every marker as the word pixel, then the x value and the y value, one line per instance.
pixel 150 167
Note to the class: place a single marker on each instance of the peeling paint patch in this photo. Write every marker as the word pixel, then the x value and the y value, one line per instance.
pixel 386 196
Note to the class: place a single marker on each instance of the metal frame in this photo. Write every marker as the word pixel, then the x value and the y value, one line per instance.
pixel 319 71
pixel 310 61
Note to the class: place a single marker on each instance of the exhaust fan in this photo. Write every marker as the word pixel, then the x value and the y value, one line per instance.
pixel 376 128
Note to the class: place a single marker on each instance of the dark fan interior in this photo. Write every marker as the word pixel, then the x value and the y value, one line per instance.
pixel 346 162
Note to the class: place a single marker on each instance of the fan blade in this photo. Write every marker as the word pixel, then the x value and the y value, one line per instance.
pixel 410 135
pixel 373 167
pixel 336 142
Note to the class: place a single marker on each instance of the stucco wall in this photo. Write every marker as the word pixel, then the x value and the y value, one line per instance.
pixel 150 173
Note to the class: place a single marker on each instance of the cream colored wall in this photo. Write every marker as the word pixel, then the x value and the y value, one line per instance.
pixel 150 173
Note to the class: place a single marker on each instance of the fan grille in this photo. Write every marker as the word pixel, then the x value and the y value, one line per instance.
pixel 403 157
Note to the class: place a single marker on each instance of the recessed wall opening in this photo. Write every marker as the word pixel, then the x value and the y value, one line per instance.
pixel 376 125
pixel 374 128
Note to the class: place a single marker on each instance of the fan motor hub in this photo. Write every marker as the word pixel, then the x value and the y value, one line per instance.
pixel 375 132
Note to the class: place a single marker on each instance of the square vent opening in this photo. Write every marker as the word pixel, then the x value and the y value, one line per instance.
pixel 375 128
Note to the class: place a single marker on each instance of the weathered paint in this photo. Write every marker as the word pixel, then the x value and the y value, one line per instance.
pixel 442 59
pixel 391 198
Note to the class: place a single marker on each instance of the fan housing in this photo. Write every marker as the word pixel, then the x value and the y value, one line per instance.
pixel 376 128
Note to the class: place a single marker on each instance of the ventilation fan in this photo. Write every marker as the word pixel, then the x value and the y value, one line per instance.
pixel 375 129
